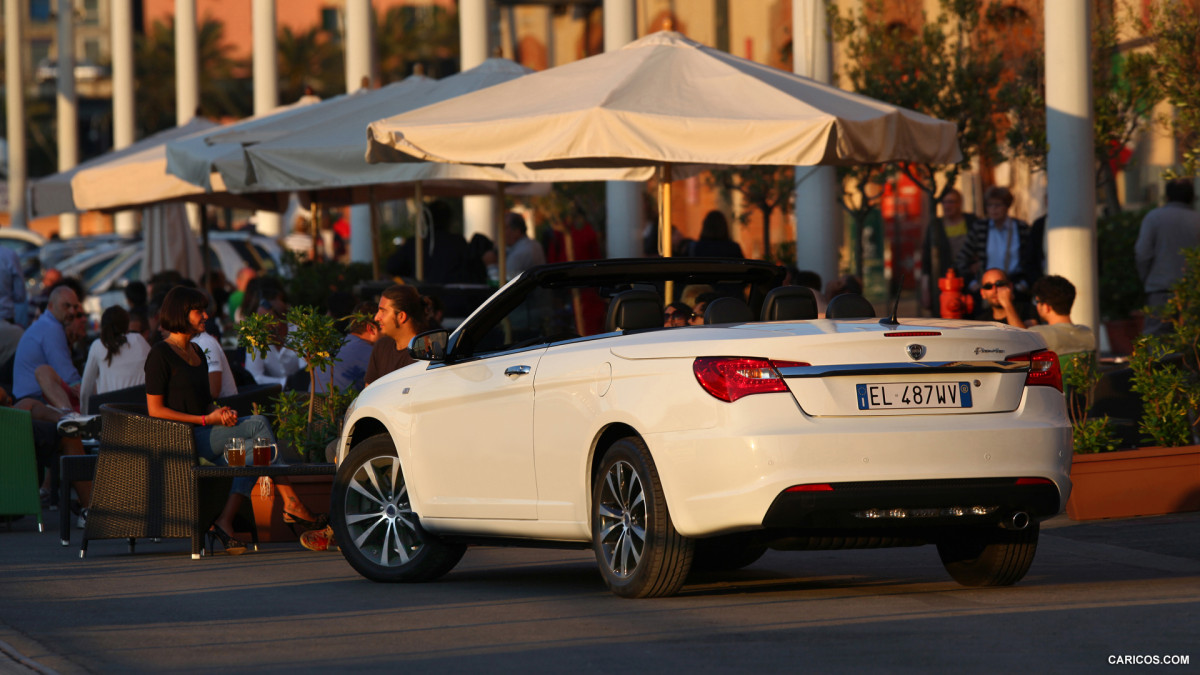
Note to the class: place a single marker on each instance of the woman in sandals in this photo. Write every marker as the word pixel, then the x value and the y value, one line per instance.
pixel 177 388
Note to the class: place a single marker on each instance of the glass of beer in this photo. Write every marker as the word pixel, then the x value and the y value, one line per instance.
pixel 235 452
pixel 265 452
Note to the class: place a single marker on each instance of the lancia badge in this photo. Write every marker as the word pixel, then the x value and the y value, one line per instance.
pixel 916 352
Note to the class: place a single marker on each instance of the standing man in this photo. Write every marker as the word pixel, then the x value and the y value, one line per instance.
pixel 522 252
pixel 944 238
pixel 401 315
pixel 1002 242
pixel 1165 232
pixel 45 343
pixel 1053 297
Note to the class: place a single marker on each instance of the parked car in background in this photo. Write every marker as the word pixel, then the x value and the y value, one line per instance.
pixel 664 449
pixel 26 243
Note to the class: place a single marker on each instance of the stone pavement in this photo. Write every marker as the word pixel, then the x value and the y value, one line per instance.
pixel 1135 581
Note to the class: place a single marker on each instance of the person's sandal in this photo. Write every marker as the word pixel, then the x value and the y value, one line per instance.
pixel 318 540
pixel 299 525
pixel 232 546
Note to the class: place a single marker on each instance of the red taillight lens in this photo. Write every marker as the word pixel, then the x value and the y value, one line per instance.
pixel 732 377
pixel 811 487
pixel 1034 481
pixel 1043 369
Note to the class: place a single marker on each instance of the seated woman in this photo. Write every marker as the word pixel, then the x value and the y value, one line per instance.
pixel 117 360
pixel 177 388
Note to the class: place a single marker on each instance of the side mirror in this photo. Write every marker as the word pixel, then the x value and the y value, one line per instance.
pixel 430 345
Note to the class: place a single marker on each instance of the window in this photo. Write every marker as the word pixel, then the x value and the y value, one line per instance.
pixel 39 11
pixel 91 13
pixel 91 51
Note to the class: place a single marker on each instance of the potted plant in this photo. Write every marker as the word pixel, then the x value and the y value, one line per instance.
pixel 1163 477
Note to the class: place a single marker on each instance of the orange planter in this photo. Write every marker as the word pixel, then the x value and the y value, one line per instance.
pixel 314 491
pixel 1141 482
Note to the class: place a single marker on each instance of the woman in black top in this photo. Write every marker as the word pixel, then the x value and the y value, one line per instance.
pixel 177 388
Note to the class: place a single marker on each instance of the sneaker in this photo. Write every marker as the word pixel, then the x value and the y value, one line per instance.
pixel 318 540
pixel 81 519
pixel 79 426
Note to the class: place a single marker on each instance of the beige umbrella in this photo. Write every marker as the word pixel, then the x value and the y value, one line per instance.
pixel 668 102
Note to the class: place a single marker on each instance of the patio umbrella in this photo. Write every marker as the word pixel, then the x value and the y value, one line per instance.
pixel 325 156
pixel 668 102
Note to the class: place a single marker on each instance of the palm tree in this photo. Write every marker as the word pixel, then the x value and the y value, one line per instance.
pixel 417 35
pixel 310 60
pixel 222 92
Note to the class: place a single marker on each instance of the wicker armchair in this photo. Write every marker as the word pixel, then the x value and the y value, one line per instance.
pixel 136 394
pixel 144 485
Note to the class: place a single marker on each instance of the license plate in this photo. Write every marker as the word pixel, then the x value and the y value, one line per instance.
pixel 905 395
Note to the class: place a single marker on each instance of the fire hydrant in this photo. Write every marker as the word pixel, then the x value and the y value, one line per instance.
pixel 955 303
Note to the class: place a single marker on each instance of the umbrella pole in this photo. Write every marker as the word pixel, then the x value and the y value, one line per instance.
pixel 374 232
pixel 317 217
pixel 500 234
pixel 204 248
pixel 664 224
pixel 419 253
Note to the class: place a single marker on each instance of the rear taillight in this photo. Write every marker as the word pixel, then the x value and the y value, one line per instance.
pixel 1043 369
pixel 732 377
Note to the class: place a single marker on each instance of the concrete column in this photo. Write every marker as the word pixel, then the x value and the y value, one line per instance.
pixel 187 62
pixel 266 87
pixel 358 66
pixel 818 217
pixel 14 78
pixel 1071 216
pixel 623 199
pixel 479 213
pixel 68 116
pixel 124 131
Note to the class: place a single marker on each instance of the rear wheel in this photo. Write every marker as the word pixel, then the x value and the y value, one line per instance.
pixel 639 552
pixel 373 521
pixel 990 557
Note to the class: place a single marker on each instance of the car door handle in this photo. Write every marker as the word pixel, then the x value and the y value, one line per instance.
pixel 513 371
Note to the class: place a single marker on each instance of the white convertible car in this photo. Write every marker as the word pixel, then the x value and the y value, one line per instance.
pixel 563 413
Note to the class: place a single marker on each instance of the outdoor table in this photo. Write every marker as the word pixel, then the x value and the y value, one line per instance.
pixel 218 479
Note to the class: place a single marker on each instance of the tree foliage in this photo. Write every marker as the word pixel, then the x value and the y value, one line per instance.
pixel 222 92
pixel 767 188
pixel 425 35
pixel 1175 27
pixel 309 60
pixel 1124 92
pixel 942 67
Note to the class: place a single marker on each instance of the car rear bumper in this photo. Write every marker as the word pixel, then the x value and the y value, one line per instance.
pixel 732 476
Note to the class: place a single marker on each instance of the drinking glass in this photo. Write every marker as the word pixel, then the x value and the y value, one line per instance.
pixel 235 452
pixel 265 452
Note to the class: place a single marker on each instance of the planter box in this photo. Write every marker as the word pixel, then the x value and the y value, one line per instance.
pixel 314 491
pixel 1141 482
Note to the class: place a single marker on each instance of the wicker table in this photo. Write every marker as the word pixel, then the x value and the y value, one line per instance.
pixel 214 481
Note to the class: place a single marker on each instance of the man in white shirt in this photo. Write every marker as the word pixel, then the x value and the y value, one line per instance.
pixel 220 375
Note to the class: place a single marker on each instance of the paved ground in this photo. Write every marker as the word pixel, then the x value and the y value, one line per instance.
pixel 1096 592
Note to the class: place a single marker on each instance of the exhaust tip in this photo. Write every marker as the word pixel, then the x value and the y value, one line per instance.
pixel 1018 521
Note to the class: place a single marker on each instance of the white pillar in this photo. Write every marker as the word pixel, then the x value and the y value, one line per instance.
pixel 14 17
pixel 358 66
pixel 817 215
pixel 266 87
pixel 623 199
pixel 187 62
pixel 479 213
pixel 123 101
pixel 68 125
pixel 1070 164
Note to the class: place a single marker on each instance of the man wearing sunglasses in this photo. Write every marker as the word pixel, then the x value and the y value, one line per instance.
pixel 997 292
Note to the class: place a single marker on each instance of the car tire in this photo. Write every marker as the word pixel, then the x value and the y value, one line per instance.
pixel 990 557
pixel 727 553
pixel 374 524
pixel 637 548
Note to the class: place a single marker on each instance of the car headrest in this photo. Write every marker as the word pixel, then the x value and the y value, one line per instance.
pixel 790 303
pixel 630 310
pixel 849 306
pixel 728 310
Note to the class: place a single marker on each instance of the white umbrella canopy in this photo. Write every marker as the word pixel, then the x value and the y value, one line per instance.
pixel 56 193
pixel 198 157
pixel 127 180
pixel 663 99
pixel 328 155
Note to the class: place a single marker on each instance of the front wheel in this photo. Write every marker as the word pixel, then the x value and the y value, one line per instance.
pixel 639 552
pixel 373 521
pixel 990 557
